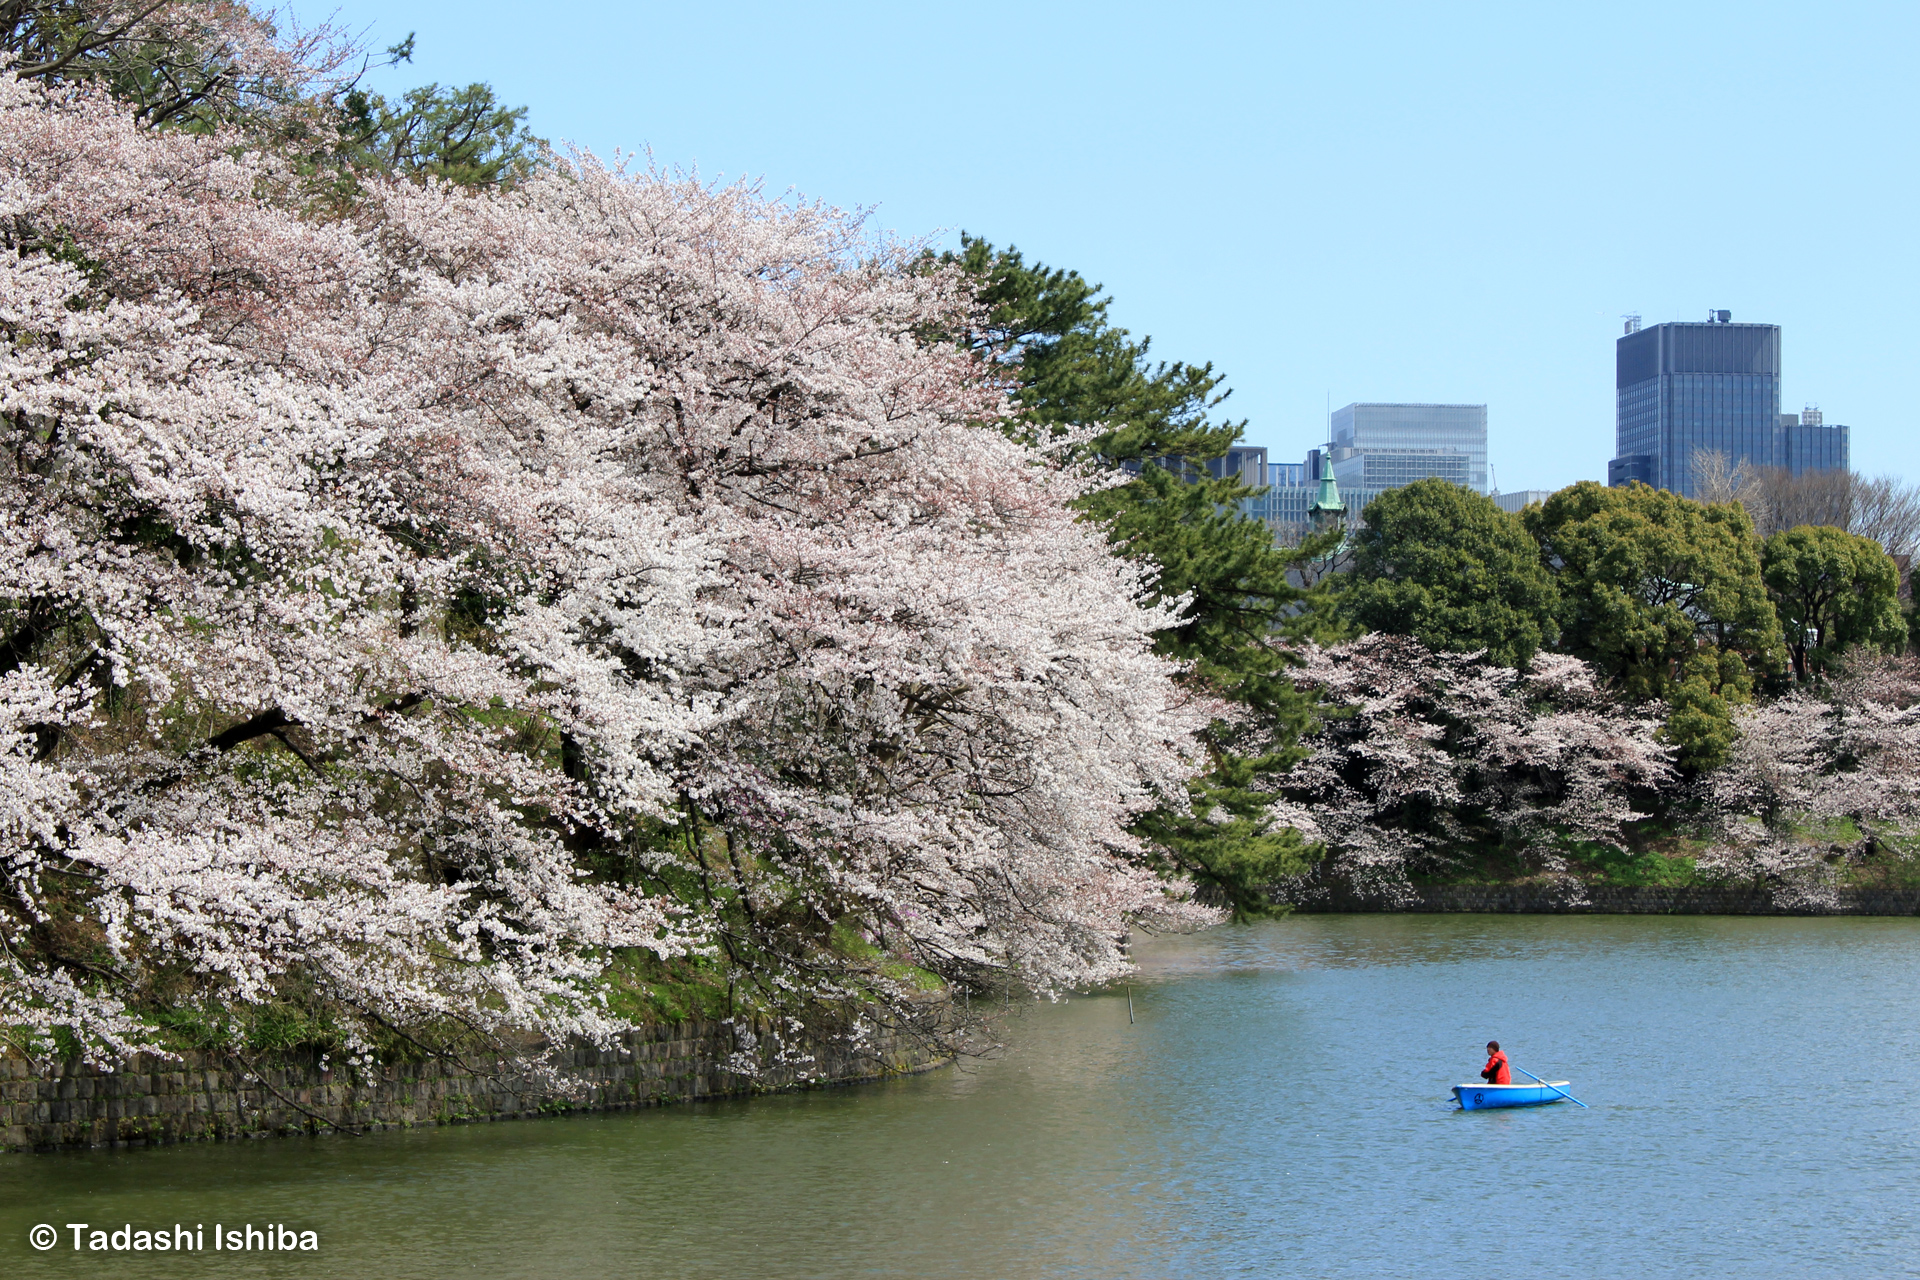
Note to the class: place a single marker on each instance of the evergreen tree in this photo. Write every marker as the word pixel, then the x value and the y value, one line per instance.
pixel 1446 566
pixel 463 136
pixel 1048 327
pixel 1834 591
pixel 1664 595
pixel 179 65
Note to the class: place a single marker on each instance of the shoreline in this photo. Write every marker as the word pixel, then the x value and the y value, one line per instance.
pixel 203 1097
pixel 1574 898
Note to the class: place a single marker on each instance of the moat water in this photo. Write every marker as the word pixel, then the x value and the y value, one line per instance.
pixel 1278 1107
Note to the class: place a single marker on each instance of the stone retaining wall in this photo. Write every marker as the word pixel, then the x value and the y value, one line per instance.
pixel 1564 897
pixel 202 1096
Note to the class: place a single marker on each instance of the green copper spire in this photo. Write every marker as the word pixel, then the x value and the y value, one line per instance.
pixel 1326 503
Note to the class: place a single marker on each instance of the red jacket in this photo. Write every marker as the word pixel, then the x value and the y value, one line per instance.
pixel 1495 1071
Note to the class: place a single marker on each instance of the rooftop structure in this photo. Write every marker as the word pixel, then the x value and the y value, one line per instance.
pixel 1521 499
pixel 1326 504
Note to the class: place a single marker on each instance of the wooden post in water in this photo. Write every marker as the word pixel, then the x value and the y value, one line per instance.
pixel 1129 1004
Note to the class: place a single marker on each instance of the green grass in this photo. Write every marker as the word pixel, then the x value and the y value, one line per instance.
pixel 848 942
pixel 1625 869
pixel 639 987
pixel 1842 831
pixel 643 988
pixel 1663 854
pixel 1894 864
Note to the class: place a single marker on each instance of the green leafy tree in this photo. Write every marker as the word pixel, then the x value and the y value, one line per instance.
pixel 1833 591
pixel 178 64
pixel 463 136
pixel 174 63
pixel 1699 719
pixel 1664 595
pixel 1446 566
pixel 1071 366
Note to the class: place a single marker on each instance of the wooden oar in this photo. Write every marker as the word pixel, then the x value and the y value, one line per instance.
pixel 1556 1088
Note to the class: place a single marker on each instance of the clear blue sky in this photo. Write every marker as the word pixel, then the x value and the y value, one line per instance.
pixel 1366 201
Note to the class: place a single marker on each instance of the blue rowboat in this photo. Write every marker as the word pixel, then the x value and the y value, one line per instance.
pixel 1478 1097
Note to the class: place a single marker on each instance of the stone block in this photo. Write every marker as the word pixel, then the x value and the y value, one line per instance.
pixel 160 1099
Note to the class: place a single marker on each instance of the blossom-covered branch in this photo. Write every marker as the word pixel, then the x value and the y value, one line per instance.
pixel 1424 756
pixel 430 604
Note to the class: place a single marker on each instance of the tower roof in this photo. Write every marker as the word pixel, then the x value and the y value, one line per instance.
pixel 1327 501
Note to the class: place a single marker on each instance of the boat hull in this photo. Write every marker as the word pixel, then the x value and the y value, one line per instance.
pixel 1480 1097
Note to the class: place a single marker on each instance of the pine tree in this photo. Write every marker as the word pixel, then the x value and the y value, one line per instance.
pixel 1073 367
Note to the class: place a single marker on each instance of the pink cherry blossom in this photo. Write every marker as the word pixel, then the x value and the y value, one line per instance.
pixel 427 602
pixel 1421 757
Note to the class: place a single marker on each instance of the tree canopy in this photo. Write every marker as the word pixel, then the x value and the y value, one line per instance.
pixel 1664 596
pixel 1833 591
pixel 1047 328
pixel 424 613
pixel 199 66
pixel 184 64
pixel 459 135
pixel 1449 568
pixel 1431 757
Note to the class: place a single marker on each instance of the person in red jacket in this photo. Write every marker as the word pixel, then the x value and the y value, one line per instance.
pixel 1495 1072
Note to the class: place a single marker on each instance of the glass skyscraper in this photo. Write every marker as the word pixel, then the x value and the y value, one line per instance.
pixel 1810 444
pixel 1383 446
pixel 1713 386
pixel 1390 470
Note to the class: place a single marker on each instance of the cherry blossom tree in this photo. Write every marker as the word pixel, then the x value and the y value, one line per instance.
pixel 1808 760
pixel 1422 756
pixel 191 64
pixel 426 606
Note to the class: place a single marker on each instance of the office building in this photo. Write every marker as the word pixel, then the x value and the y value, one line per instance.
pixel 1384 446
pixel 1710 386
pixel 1289 509
pixel 1522 499
pixel 1375 447
pixel 1390 470
pixel 1810 444
pixel 1248 464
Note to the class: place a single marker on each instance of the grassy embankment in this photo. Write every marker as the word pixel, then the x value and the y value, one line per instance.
pixel 1665 855
pixel 640 988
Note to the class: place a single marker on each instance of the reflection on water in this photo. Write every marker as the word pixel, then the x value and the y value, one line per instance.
pixel 1279 1109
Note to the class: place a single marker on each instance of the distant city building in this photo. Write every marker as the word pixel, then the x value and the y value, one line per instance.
pixel 1522 499
pixel 1290 509
pixel 1384 446
pixel 1713 386
pixel 1375 447
pixel 1247 461
pixel 1810 444
pixel 1372 470
pixel 1310 469
pixel 1283 482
